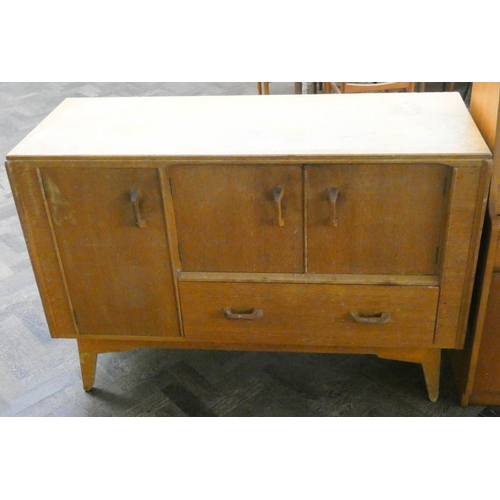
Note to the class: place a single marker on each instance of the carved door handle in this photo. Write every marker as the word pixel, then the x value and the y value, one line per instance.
pixel 135 198
pixel 372 319
pixel 251 314
pixel 333 195
pixel 278 193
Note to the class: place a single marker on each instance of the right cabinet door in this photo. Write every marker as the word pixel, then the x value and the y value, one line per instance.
pixel 374 218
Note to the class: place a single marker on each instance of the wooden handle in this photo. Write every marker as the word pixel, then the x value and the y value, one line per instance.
pixel 278 193
pixel 251 314
pixel 372 319
pixel 333 195
pixel 135 198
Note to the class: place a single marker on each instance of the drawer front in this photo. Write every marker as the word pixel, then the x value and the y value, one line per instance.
pixel 320 314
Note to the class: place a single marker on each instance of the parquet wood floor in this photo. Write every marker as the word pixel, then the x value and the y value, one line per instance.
pixel 40 376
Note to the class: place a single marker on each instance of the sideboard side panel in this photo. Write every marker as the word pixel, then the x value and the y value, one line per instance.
pixel 461 243
pixel 35 224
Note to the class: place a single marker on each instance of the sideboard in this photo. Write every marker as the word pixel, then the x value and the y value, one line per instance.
pixel 318 223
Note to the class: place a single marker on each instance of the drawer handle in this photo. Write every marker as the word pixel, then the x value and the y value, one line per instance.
pixel 135 198
pixel 333 195
pixel 278 193
pixel 372 319
pixel 251 314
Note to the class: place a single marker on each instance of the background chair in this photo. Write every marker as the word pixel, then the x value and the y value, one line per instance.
pixel 350 88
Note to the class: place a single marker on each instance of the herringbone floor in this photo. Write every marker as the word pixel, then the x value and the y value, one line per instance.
pixel 40 376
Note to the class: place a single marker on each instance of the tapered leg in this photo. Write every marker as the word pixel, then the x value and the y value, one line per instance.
pixel 431 365
pixel 88 364
pixel 430 359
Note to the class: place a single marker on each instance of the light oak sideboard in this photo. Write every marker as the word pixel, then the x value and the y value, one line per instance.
pixel 318 223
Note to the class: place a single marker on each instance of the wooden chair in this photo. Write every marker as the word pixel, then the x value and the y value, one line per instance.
pixel 298 87
pixel 266 87
pixel 350 88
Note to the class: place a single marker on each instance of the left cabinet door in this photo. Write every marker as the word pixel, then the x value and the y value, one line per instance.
pixel 110 232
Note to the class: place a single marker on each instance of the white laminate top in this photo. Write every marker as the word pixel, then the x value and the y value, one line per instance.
pixel 388 124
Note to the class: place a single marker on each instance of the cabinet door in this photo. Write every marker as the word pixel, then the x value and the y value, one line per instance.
pixel 374 219
pixel 110 231
pixel 242 218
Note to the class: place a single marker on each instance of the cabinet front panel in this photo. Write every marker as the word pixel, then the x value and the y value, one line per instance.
pixel 239 218
pixel 109 227
pixel 345 315
pixel 374 219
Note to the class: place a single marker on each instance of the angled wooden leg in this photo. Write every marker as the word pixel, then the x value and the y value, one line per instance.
pixel 430 359
pixel 431 365
pixel 88 364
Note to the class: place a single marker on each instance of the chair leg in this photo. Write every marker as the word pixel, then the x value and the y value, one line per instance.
pixel 298 87
pixel 327 86
pixel 259 87
pixel 266 88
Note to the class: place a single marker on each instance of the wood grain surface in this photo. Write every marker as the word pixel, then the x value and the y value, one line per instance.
pixel 227 218
pixel 309 314
pixel 118 273
pixel 385 212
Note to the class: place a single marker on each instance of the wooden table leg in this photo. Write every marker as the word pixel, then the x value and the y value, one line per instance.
pixel 431 365
pixel 298 87
pixel 88 364
pixel 266 88
pixel 430 359
pixel 259 87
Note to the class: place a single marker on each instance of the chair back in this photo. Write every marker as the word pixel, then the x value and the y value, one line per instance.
pixel 351 88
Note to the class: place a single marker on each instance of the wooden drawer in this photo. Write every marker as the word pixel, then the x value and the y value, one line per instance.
pixel 320 314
